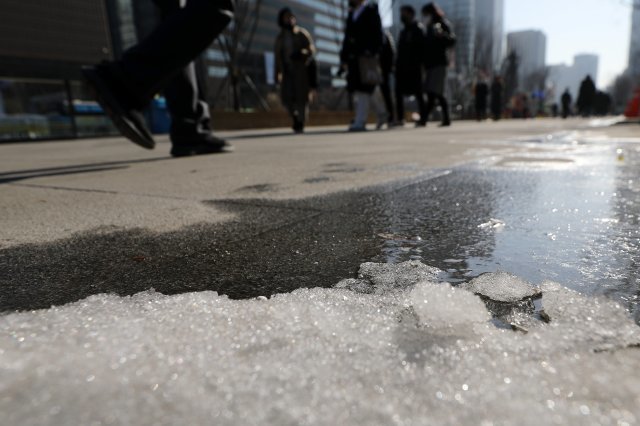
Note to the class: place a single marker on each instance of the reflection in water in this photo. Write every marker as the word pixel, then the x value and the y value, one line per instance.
pixel 575 225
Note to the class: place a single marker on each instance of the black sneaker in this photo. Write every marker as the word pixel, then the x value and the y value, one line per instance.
pixel 128 120
pixel 209 145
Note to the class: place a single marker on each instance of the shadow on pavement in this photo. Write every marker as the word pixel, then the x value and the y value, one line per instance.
pixel 19 175
pixel 271 247
pixel 284 134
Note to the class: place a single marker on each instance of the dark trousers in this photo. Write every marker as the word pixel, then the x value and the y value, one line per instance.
pixel 385 88
pixel 164 61
pixel 431 103
pixel 422 109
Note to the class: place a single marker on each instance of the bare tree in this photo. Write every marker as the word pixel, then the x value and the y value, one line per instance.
pixel 510 70
pixel 483 52
pixel 236 43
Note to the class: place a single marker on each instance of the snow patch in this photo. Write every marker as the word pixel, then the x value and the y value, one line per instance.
pixel 412 353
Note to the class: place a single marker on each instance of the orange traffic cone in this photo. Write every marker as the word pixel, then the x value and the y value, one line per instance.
pixel 633 107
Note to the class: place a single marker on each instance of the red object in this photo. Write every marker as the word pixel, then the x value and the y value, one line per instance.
pixel 633 107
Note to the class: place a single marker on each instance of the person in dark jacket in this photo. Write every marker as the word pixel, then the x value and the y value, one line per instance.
pixel 409 65
pixel 439 40
pixel 362 39
pixel 586 97
pixel 497 101
pixel 566 101
pixel 164 61
pixel 387 59
pixel 481 99
pixel 294 50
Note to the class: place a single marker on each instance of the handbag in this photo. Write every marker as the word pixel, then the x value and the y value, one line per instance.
pixel 370 71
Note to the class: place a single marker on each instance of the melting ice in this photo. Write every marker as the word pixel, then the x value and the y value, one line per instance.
pixel 391 347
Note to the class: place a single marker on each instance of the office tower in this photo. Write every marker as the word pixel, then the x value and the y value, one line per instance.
pixel 531 48
pixel 489 49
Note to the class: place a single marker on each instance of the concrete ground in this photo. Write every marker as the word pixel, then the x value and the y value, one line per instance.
pixel 52 190
pixel 87 217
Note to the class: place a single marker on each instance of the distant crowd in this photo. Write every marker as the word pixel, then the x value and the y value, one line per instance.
pixel 369 56
pixel 414 67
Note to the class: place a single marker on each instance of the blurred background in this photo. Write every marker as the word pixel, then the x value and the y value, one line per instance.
pixel 539 48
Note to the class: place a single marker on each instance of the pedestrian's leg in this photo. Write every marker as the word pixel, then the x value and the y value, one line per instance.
pixel 190 115
pixel 431 103
pixel 149 66
pixel 379 107
pixel 299 114
pixel 125 87
pixel 362 110
pixel 446 119
pixel 422 108
pixel 385 88
pixel 399 106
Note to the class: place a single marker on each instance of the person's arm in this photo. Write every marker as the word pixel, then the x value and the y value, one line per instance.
pixel 278 59
pixel 309 49
pixel 377 34
pixel 344 52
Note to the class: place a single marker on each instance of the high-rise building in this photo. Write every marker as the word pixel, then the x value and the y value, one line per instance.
pixel 634 48
pixel 489 34
pixel 462 14
pixel 530 47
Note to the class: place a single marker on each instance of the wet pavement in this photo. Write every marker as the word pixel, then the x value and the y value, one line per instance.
pixel 568 213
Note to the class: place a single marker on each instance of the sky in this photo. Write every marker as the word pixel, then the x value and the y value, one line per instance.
pixel 602 27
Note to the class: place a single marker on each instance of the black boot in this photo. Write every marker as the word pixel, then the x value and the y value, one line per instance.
pixel 203 145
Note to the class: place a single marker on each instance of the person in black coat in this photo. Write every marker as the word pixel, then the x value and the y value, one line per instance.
pixel 566 101
pixel 497 103
pixel 587 97
pixel 439 40
pixel 363 38
pixel 409 64
pixel 481 99
pixel 387 59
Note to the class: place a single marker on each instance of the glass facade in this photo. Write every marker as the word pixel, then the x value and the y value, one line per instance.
pixel 49 109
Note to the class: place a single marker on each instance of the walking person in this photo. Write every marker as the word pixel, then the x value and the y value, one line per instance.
pixel 497 101
pixel 360 56
pixel 439 40
pixel 586 97
pixel 566 101
pixel 387 59
pixel 294 52
pixel 409 65
pixel 481 99
pixel 164 61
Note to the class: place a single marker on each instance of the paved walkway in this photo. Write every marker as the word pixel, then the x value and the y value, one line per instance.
pixel 52 190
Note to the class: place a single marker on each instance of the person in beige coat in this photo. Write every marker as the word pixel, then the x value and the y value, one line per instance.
pixel 295 68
